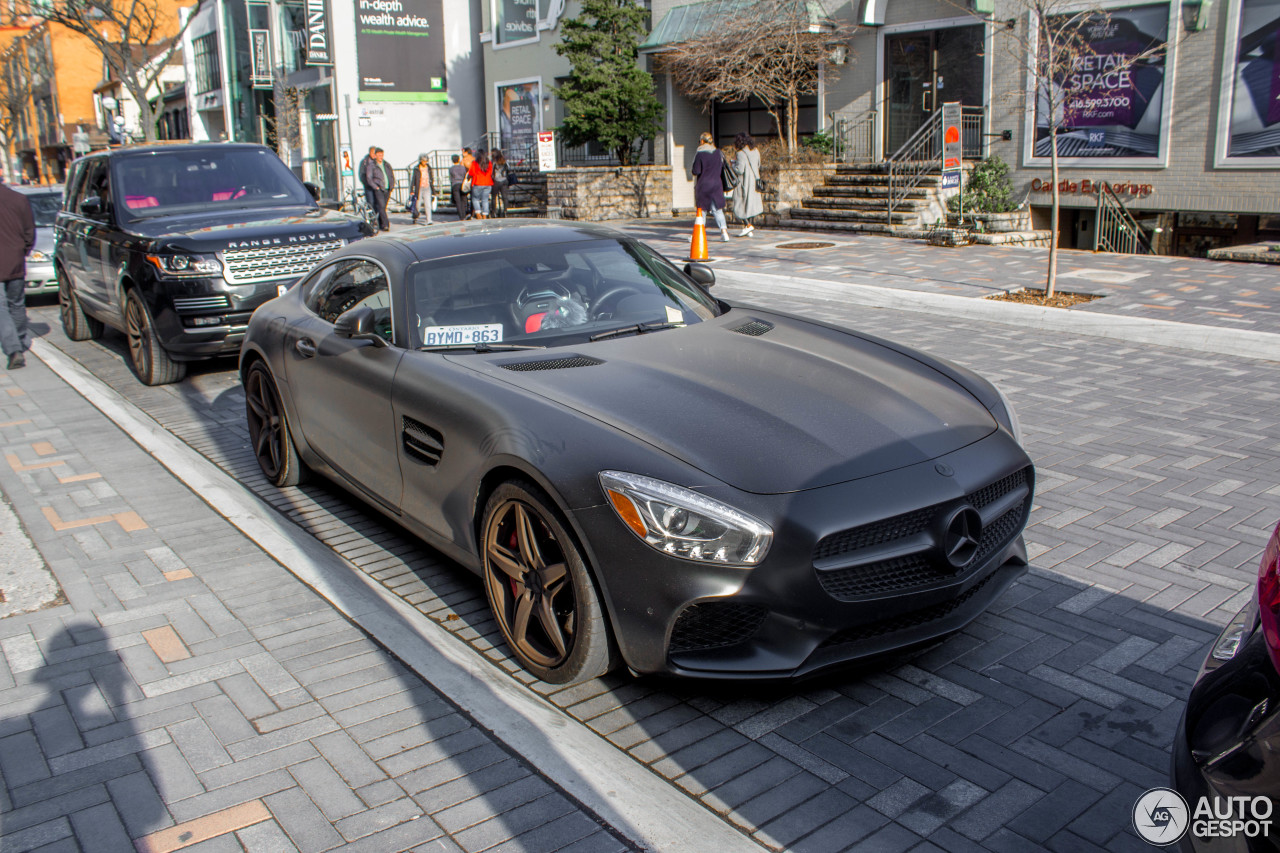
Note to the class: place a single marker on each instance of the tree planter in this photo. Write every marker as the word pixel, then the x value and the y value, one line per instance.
pixel 610 192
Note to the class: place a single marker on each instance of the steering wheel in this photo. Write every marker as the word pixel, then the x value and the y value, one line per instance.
pixel 553 289
pixel 597 307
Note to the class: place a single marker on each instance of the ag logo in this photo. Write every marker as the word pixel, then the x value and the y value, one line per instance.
pixel 1160 816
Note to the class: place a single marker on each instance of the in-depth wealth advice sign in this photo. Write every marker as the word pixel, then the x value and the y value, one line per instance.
pixel 400 50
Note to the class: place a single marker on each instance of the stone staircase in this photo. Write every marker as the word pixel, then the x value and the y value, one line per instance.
pixel 855 198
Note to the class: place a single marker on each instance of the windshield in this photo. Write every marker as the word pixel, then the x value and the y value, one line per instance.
pixel 549 295
pixel 45 207
pixel 163 183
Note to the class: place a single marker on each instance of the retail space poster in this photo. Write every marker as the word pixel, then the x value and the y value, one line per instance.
pixel 400 50
pixel 1255 90
pixel 1111 100
pixel 519 115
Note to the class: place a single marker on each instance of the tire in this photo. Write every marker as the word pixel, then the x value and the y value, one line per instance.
pixel 76 325
pixel 269 429
pixel 539 589
pixel 150 361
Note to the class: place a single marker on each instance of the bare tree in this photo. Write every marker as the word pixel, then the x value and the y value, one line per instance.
pixel 1085 71
pixel 771 50
pixel 15 98
pixel 136 38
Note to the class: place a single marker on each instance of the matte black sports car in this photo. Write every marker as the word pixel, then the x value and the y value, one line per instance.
pixel 1226 752
pixel 634 467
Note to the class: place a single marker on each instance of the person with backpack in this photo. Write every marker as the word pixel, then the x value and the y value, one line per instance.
pixel 500 175
pixel 481 175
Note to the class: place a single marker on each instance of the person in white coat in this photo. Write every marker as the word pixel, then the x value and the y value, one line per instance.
pixel 747 203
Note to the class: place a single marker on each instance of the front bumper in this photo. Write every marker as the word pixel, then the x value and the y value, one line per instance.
pixel 41 279
pixel 1227 739
pixel 806 608
pixel 205 317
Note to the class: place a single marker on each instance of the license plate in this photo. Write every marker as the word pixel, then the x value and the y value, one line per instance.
pixel 444 336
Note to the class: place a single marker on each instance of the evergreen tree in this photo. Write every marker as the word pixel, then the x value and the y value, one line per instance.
pixel 608 98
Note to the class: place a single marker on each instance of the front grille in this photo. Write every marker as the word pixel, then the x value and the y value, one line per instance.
pixel 715 625
pixel 753 327
pixel 247 266
pixel 918 569
pixel 201 303
pixel 905 621
pixel 554 363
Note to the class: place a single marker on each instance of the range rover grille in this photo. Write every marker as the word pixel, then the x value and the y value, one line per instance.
pixel 248 266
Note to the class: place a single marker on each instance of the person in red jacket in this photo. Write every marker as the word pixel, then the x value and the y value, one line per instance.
pixel 17 236
pixel 481 173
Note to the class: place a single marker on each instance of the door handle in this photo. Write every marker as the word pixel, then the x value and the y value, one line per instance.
pixel 305 347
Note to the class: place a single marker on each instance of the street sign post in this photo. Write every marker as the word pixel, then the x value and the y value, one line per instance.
pixel 952 147
pixel 546 151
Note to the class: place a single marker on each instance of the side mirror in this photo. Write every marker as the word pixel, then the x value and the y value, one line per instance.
pixel 314 189
pixel 359 324
pixel 703 275
pixel 91 206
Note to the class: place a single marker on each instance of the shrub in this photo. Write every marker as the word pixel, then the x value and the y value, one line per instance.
pixel 986 189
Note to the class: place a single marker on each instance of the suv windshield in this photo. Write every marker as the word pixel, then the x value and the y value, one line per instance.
pixel 163 183
pixel 548 295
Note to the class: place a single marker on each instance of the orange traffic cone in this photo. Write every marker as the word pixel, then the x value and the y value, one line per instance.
pixel 698 248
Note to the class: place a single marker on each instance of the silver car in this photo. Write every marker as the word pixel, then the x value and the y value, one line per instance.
pixel 45 202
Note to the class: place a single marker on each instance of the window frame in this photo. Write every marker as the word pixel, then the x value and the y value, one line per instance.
pixel 351 261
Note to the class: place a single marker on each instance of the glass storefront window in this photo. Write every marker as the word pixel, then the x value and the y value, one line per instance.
pixel 1254 89
pixel 1110 103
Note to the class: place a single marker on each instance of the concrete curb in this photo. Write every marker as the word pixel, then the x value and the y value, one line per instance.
pixel 1244 343
pixel 632 799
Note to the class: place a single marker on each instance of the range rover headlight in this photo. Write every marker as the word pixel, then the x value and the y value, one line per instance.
pixel 685 524
pixel 181 265
pixel 1015 426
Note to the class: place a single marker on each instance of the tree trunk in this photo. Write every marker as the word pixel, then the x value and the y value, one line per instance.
pixel 1051 282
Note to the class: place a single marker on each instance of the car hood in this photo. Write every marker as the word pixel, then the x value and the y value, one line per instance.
pixel 798 407
pixel 222 230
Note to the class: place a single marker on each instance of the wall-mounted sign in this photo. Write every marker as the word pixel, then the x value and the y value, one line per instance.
pixel 1066 186
pixel 517 21
pixel 319 42
pixel 260 58
pixel 400 50
pixel 519 118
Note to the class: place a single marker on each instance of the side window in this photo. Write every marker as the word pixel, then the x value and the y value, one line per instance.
pixel 80 188
pixel 352 284
pixel 71 199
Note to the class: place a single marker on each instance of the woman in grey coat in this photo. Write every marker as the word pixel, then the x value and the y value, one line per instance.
pixel 747 203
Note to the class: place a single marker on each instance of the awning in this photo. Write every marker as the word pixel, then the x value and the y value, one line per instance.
pixel 685 22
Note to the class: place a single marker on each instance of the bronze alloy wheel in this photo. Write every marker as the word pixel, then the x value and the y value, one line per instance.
pixel 76 325
pixel 269 429
pixel 541 596
pixel 150 361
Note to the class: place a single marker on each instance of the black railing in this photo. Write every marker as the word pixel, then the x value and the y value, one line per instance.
pixel 854 138
pixel 921 155
pixel 1115 229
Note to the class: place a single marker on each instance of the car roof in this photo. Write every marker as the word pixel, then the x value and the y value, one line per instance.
pixel 163 147
pixel 446 240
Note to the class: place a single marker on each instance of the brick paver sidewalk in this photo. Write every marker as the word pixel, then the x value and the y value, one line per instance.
pixel 188 692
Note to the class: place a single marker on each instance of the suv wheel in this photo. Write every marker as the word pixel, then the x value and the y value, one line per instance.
pixel 150 361
pixel 77 325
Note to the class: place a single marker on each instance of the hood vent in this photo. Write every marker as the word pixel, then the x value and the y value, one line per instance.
pixel 422 443
pixel 753 327
pixel 554 363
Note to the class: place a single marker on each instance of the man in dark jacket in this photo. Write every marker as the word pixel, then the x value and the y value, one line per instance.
pixel 382 180
pixel 363 171
pixel 17 236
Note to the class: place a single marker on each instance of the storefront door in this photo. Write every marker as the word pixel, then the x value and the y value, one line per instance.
pixel 924 69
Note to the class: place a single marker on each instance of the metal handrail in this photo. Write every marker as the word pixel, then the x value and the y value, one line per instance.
pixel 919 156
pixel 853 138
pixel 1115 229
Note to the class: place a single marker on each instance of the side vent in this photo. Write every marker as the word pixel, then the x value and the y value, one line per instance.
pixel 554 363
pixel 753 327
pixel 422 443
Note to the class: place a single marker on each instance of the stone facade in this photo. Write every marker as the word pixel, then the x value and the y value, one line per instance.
pixel 609 192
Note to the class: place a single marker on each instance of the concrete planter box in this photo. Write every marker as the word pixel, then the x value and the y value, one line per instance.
pixel 597 193
pixel 1002 223
pixel 790 184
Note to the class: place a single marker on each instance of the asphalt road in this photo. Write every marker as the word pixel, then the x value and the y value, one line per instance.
pixel 1039 725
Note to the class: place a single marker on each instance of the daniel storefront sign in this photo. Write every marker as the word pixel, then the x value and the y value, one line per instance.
pixel 400 50
pixel 319 42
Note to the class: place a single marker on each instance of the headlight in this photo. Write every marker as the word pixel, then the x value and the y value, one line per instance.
pixel 186 265
pixel 1015 426
pixel 685 524
pixel 37 257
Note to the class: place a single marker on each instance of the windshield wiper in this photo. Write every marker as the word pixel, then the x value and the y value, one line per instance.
pixel 637 329
pixel 480 347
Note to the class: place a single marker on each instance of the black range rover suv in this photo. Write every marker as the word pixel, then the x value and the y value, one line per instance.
pixel 176 245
